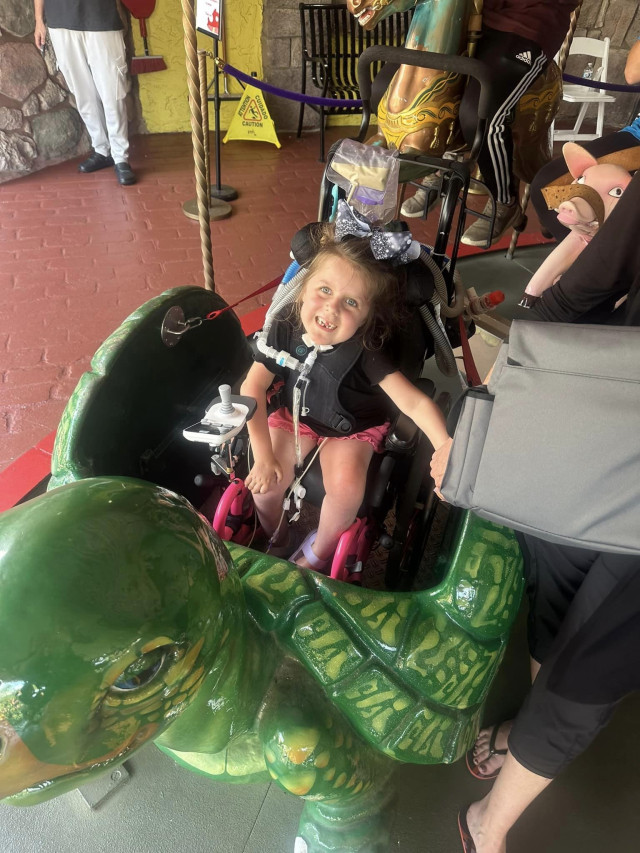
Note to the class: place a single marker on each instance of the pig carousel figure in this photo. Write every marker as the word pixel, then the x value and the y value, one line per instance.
pixel 582 207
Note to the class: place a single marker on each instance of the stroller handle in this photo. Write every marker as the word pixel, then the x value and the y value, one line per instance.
pixel 463 65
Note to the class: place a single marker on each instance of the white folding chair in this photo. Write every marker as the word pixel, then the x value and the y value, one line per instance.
pixel 598 50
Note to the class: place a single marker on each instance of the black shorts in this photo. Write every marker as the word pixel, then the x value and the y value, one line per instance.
pixel 566 587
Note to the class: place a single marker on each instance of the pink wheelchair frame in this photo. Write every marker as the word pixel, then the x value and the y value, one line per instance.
pixel 234 520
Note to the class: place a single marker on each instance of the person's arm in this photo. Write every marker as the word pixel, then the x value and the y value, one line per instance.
pixel 632 68
pixel 40 33
pixel 266 468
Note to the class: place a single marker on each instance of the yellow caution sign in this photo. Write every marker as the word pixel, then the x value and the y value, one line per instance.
pixel 252 119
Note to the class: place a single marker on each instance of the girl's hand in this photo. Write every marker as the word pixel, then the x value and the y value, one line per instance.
pixel 264 474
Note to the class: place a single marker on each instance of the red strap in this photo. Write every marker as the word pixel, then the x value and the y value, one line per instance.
pixel 469 364
pixel 214 314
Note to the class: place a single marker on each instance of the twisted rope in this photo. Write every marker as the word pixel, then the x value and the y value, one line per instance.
pixel 197 139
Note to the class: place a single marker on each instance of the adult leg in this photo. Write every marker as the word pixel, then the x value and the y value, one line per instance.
pixel 344 474
pixel 490 819
pixel 269 505
pixel 554 574
pixel 71 54
pixel 550 730
pixel 106 57
pixel 516 62
pixel 556 168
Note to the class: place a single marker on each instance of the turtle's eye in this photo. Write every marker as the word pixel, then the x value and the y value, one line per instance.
pixel 142 671
pixel 616 192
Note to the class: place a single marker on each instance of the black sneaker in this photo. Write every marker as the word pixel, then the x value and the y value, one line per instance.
pixel 94 162
pixel 125 174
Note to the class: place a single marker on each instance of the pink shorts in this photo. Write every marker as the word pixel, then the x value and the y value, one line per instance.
pixel 375 436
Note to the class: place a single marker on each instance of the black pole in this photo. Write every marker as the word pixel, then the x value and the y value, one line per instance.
pixel 219 190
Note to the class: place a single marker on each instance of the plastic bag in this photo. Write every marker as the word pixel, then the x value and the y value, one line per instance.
pixel 369 176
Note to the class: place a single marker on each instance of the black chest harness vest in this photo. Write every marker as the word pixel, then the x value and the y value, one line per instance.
pixel 323 404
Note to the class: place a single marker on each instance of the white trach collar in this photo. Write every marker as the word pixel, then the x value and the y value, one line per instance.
pixel 306 340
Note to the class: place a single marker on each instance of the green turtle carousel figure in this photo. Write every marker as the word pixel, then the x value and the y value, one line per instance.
pixel 125 619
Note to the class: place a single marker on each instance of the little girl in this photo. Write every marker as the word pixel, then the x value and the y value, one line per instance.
pixel 347 305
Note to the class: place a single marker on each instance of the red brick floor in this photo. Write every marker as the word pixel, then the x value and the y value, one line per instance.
pixel 78 253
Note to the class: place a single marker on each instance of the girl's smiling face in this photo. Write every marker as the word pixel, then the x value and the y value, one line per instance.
pixel 334 302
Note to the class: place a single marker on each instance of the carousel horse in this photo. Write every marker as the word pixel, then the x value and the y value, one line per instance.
pixel 419 110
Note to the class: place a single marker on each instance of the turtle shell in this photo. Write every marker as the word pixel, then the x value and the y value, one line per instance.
pixel 409 670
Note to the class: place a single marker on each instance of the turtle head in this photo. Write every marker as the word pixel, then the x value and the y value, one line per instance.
pixel 116 602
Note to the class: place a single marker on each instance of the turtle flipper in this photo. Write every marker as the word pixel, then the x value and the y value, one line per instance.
pixel 361 825
pixel 310 748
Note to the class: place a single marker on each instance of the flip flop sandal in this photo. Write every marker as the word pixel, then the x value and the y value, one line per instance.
pixel 305 550
pixel 472 767
pixel 468 845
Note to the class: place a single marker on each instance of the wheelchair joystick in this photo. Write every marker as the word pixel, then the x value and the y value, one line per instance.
pixel 224 418
pixel 225 406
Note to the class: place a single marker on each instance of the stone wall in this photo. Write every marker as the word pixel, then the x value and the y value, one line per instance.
pixel 620 21
pixel 39 124
pixel 282 62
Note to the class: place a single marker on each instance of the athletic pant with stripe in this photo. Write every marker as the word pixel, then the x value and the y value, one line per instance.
pixel 517 62
pixel 94 65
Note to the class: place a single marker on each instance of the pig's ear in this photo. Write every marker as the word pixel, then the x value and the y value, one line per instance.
pixel 577 158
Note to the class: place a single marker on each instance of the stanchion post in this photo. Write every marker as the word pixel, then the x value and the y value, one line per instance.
pixel 220 190
pixel 204 105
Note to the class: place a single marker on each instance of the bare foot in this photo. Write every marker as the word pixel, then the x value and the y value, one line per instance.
pixel 489 741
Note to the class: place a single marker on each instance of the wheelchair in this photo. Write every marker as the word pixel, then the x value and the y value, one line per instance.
pixel 398 502
pixel 398 484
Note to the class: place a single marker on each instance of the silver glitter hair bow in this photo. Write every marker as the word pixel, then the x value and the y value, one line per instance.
pixel 399 247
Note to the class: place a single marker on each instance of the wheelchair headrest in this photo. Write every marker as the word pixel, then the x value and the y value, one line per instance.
pixel 306 242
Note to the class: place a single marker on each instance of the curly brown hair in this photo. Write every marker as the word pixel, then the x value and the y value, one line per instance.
pixel 384 281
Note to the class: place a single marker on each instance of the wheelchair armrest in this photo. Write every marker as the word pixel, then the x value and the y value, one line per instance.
pixel 402 434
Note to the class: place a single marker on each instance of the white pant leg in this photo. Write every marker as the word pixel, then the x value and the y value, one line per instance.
pixel 70 50
pixel 95 67
pixel 107 59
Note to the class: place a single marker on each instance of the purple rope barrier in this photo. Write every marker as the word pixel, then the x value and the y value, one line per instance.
pixel 596 84
pixel 340 102
pixel 284 93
